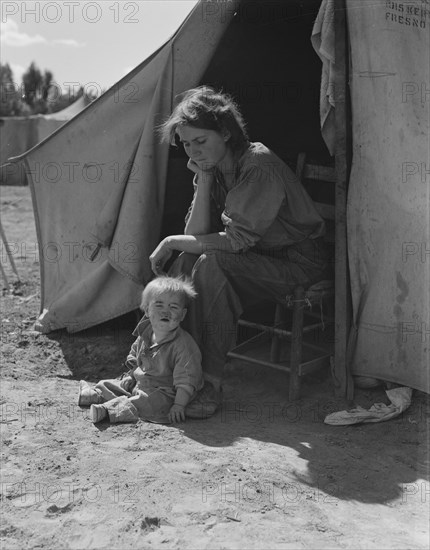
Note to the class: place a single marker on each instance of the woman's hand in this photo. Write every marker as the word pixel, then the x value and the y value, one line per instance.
pixel 193 166
pixel 160 256
pixel 204 171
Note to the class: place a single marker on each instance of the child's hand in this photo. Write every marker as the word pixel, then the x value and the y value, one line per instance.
pixel 177 413
pixel 127 383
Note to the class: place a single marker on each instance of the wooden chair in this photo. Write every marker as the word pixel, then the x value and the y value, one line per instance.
pixel 285 344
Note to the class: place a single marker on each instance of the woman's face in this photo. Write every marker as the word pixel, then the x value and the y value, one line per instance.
pixel 207 148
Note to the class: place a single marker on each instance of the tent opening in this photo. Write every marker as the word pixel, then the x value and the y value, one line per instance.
pixel 266 61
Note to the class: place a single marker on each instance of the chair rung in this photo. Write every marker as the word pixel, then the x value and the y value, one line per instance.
pixel 306 367
pixel 261 362
pixel 279 332
pixel 265 328
pixel 308 328
pixel 327 319
pixel 320 173
pixel 314 347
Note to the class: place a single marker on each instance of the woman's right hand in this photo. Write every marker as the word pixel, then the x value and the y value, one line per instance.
pixel 203 171
pixel 193 166
pixel 160 256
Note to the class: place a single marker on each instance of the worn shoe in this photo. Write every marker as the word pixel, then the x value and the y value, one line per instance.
pixel 88 395
pixel 206 402
pixel 97 413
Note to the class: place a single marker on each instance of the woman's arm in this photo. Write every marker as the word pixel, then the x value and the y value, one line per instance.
pixel 199 220
pixel 193 244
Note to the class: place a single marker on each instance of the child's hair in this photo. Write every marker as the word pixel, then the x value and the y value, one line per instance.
pixel 159 285
pixel 205 108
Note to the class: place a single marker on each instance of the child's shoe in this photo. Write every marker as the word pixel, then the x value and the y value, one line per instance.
pixel 97 413
pixel 87 395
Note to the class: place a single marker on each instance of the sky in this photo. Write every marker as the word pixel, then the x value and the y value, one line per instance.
pixel 88 43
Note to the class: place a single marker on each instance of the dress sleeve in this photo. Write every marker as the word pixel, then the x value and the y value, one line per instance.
pixel 252 205
pixel 188 214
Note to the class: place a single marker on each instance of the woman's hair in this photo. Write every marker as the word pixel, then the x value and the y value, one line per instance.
pixel 205 108
pixel 183 287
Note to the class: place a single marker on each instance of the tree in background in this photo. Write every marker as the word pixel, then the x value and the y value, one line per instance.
pixel 43 95
pixel 37 94
pixel 10 97
pixel 36 88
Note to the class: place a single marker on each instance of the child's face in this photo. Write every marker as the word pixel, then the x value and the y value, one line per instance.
pixel 166 311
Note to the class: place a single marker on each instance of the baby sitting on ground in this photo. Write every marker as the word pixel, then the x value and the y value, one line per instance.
pixel 164 362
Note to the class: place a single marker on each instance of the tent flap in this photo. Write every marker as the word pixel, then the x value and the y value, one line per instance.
pixel 388 201
pixel 91 185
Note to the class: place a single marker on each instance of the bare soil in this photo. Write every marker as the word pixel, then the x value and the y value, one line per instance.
pixel 261 473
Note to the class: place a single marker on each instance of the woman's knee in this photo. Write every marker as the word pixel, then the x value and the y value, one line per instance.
pixel 229 263
pixel 183 265
pixel 206 266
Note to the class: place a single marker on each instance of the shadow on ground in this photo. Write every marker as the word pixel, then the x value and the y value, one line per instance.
pixel 372 463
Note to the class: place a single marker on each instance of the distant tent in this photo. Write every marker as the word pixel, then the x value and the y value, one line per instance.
pixel 19 134
pixel 71 110
pixel 105 181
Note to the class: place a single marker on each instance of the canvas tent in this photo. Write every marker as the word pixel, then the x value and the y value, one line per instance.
pixel 20 133
pixel 388 198
pixel 105 190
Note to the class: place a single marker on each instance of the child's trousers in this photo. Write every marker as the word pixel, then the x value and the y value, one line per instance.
pixel 151 404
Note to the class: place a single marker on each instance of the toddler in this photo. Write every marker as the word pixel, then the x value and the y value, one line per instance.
pixel 164 361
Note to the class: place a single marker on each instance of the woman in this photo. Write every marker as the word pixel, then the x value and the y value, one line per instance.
pixel 252 231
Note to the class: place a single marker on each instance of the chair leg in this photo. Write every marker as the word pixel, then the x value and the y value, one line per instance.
pixel 296 343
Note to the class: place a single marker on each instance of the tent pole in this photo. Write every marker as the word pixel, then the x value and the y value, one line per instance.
pixel 341 371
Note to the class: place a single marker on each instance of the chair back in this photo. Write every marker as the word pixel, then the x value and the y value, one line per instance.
pixel 319 181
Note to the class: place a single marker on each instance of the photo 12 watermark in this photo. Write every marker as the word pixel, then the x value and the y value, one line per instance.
pixel 415 170
pixel 416 252
pixel 415 91
pixel 412 491
pixel 68 252
pixel 417 331
pixel 28 493
pixel 70 12
pixel 253 11
pixel 256 412
pixel 88 172
pixel 284 495
pixel 29 415
pixel 70 90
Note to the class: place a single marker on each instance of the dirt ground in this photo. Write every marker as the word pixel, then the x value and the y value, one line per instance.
pixel 261 473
